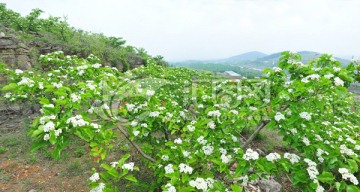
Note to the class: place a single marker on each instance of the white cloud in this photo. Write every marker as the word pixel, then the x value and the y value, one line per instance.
pixel 205 29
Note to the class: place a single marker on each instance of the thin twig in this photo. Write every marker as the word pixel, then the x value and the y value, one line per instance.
pixel 126 134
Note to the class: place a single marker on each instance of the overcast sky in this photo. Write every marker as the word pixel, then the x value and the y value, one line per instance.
pixel 211 29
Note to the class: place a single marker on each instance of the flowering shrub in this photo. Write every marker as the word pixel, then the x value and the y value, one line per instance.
pixel 187 125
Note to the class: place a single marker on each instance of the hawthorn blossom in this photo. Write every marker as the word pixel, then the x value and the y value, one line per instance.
pixel 95 177
pixel 250 155
pixel 306 141
pixel 46 137
pixel 279 117
pixel 185 168
pixel 328 76
pixel 273 157
pixel 26 81
pixel 208 150
pixel 150 92
pixel 211 125
pixel 18 71
pixel 49 126
pixel 347 175
pixel 169 169
pixel 77 121
pixel 154 114
pixel 136 132
pixel 215 113
pixel 225 158
pixel 292 157
pixel 190 128
pixel 170 188
pixel 277 69
pixel 99 188
pixel 74 97
pixel 133 123
pixel 128 166
pixel 338 81
pixel 202 184
pixel 201 140
pixel 178 141
pixel 305 115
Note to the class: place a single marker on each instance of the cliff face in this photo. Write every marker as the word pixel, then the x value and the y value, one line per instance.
pixel 14 53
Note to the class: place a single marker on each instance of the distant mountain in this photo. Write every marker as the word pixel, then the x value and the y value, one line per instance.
pixel 258 60
pixel 253 55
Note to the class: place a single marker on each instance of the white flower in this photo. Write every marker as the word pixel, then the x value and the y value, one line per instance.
pixel 95 177
pixel 26 81
pixel 58 132
pixel 18 71
pixel 105 106
pixel 136 133
pixel 250 154
pixel 74 97
pixel 49 126
pixel 144 125
pixel 306 141
pixel 46 137
pixel 273 157
pixel 150 92
pixel 279 116
pixel 338 81
pixel 207 149
pixel 347 175
pixel 185 168
pixel 165 157
pixel 57 85
pixel 178 141
pixel 154 114
pixel 133 123
pixel 328 76
pixel 96 65
pixel 169 169
pixel 292 157
pixel 186 153
pixel 305 115
pixel 199 183
pixel 201 140
pixel 130 107
pixel 252 108
pixel 48 106
pixel 77 121
pixel 319 188
pixel 191 128
pixel 99 188
pixel 347 151
pixel 215 113
pixel 128 166
pixel 336 69
pixel 277 69
pixel 211 125
pixel 225 158
pixel 114 164
pixel 170 188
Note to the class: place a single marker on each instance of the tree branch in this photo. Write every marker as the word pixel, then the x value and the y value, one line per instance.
pixel 257 130
pixel 126 134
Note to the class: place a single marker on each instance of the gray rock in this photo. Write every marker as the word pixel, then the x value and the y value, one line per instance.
pixel 269 185
pixel 2 34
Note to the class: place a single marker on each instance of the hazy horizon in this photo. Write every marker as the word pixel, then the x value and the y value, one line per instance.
pixel 213 29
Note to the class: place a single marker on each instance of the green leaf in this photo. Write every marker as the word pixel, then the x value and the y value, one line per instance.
pixel 37 145
pixel 131 178
pixel 236 188
pixel 353 165
pixel 352 188
pixel 326 177
pixel 10 87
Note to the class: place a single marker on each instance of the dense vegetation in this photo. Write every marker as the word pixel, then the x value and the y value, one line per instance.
pixel 56 32
pixel 189 128
pixel 243 71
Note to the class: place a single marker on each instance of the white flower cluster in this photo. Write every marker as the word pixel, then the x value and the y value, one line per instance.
pixel 169 169
pixel 277 69
pixel 279 116
pixel 225 158
pixel 338 81
pixel 292 157
pixel 99 188
pixel 347 175
pixel 48 106
pixel 178 141
pixel 211 125
pixel 185 168
pixel 154 114
pixel 49 126
pixel 96 65
pixel 202 184
pixel 312 170
pixel 77 121
pixel 306 141
pixel 328 76
pixel 208 149
pixel 128 166
pixel 310 77
pixel 201 140
pixel 319 154
pixel 165 157
pixel 215 113
pixel 336 69
pixel 170 188
pixel 150 92
pixel 26 81
pixel 95 177
pixel 347 151
pixel 273 157
pixel 44 119
pixel 250 155
pixel 18 71
pixel 305 115
pixel 191 128
pixel 75 98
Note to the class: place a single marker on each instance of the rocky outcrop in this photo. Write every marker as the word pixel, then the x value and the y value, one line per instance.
pixel 13 52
